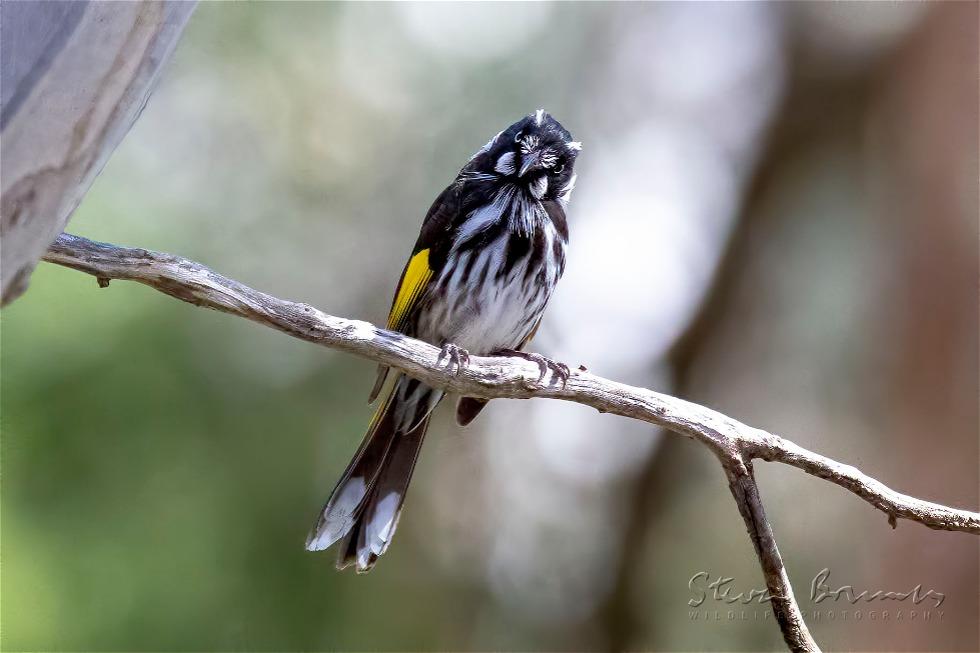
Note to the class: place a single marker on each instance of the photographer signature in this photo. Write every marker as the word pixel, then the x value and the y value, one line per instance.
pixel 722 589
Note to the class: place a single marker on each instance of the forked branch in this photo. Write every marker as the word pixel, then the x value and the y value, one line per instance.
pixel 735 444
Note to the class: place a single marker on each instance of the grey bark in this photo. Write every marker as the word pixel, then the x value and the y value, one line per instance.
pixel 74 76
pixel 735 444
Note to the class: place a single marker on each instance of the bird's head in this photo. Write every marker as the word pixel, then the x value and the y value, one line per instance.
pixel 537 154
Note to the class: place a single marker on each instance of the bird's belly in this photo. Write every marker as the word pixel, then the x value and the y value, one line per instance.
pixel 496 309
pixel 500 317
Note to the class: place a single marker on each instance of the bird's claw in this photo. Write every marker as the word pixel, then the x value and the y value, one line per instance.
pixel 545 364
pixel 458 357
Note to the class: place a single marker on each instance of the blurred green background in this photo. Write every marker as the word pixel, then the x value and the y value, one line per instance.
pixel 776 215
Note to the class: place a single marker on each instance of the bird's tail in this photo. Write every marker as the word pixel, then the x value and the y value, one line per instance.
pixel 363 508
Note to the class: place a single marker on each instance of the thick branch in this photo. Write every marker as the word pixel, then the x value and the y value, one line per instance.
pixel 734 443
pixel 76 75
pixel 490 377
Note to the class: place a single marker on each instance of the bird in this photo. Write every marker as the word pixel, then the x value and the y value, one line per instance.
pixel 489 254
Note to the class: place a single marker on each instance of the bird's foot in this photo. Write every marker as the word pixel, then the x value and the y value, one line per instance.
pixel 559 371
pixel 458 357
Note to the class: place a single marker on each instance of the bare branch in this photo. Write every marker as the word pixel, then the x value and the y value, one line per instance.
pixel 741 481
pixel 894 504
pixel 734 443
pixel 490 377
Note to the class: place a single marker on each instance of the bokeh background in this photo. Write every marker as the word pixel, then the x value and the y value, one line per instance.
pixel 776 216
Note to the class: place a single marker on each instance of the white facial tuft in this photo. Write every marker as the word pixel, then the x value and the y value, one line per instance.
pixel 529 143
pixel 539 187
pixel 505 164
pixel 566 193
pixel 575 146
pixel 539 117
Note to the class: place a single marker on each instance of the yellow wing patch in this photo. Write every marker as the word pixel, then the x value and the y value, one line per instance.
pixel 417 275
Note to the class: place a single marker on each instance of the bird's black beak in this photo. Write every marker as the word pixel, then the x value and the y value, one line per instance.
pixel 529 162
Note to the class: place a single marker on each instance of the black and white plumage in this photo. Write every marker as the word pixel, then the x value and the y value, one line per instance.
pixel 489 254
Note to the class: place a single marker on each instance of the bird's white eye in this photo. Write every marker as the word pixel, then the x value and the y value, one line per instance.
pixel 518 137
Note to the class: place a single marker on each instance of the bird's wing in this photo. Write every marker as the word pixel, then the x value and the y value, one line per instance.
pixel 415 277
pixel 428 257
pixel 411 287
